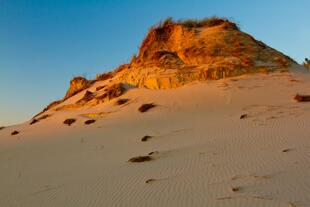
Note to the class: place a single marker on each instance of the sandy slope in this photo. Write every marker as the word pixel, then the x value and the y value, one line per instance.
pixel 202 149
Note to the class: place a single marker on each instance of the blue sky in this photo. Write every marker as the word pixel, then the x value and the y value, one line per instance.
pixel 44 43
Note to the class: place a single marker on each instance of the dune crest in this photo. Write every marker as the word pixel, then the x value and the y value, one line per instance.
pixel 176 53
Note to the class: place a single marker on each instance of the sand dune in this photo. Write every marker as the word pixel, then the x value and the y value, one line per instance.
pixel 202 153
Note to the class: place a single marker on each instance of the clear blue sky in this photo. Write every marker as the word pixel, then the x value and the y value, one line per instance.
pixel 44 43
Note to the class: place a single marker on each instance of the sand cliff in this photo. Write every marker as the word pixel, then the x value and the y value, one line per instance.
pixel 176 53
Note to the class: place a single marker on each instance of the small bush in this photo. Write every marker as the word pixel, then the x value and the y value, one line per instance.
pixel 113 91
pixel 243 116
pixel 145 138
pixel 286 150
pixel 90 121
pixel 235 189
pixel 164 23
pixel 2 127
pixel 153 152
pixel 140 159
pixel 122 101
pixel 44 116
pixel 87 97
pixel 302 98
pixel 150 180
pixel 15 132
pixel 146 107
pixel 69 121
pixel 35 120
pixel 194 23
pixel 207 22
pixel 104 76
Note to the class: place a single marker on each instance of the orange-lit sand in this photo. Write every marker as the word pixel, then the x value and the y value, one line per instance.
pixel 203 153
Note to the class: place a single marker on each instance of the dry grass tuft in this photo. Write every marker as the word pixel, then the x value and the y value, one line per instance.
pixel 145 138
pixel 243 116
pixel 104 76
pixel 51 105
pixel 87 97
pixel 153 152
pixel 208 22
pixel 302 98
pixel 146 107
pixel 235 189
pixel 150 180
pixel 35 120
pixel 90 121
pixel 195 23
pixel 140 159
pixel 15 132
pixel 122 101
pixel 69 121
pixel 113 91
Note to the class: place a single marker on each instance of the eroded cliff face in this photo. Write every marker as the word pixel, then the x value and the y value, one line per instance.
pixel 174 54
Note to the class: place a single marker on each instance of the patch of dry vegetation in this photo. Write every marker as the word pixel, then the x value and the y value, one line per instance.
pixel 104 76
pixel 286 150
pixel 35 120
pixel 235 189
pixel 140 159
pixel 146 107
pixel 243 116
pixel 122 101
pixel 302 98
pixel 90 121
pixel 69 122
pixel 2 127
pixel 195 23
pixel 150 180
pixel 15 132
pixel 145 138
pixel 90 98
pixel 208 22
pixel 112 92
pixel 87 97
pixel 111 74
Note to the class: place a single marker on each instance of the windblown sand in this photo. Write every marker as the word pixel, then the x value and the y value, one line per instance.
pixel 202 153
